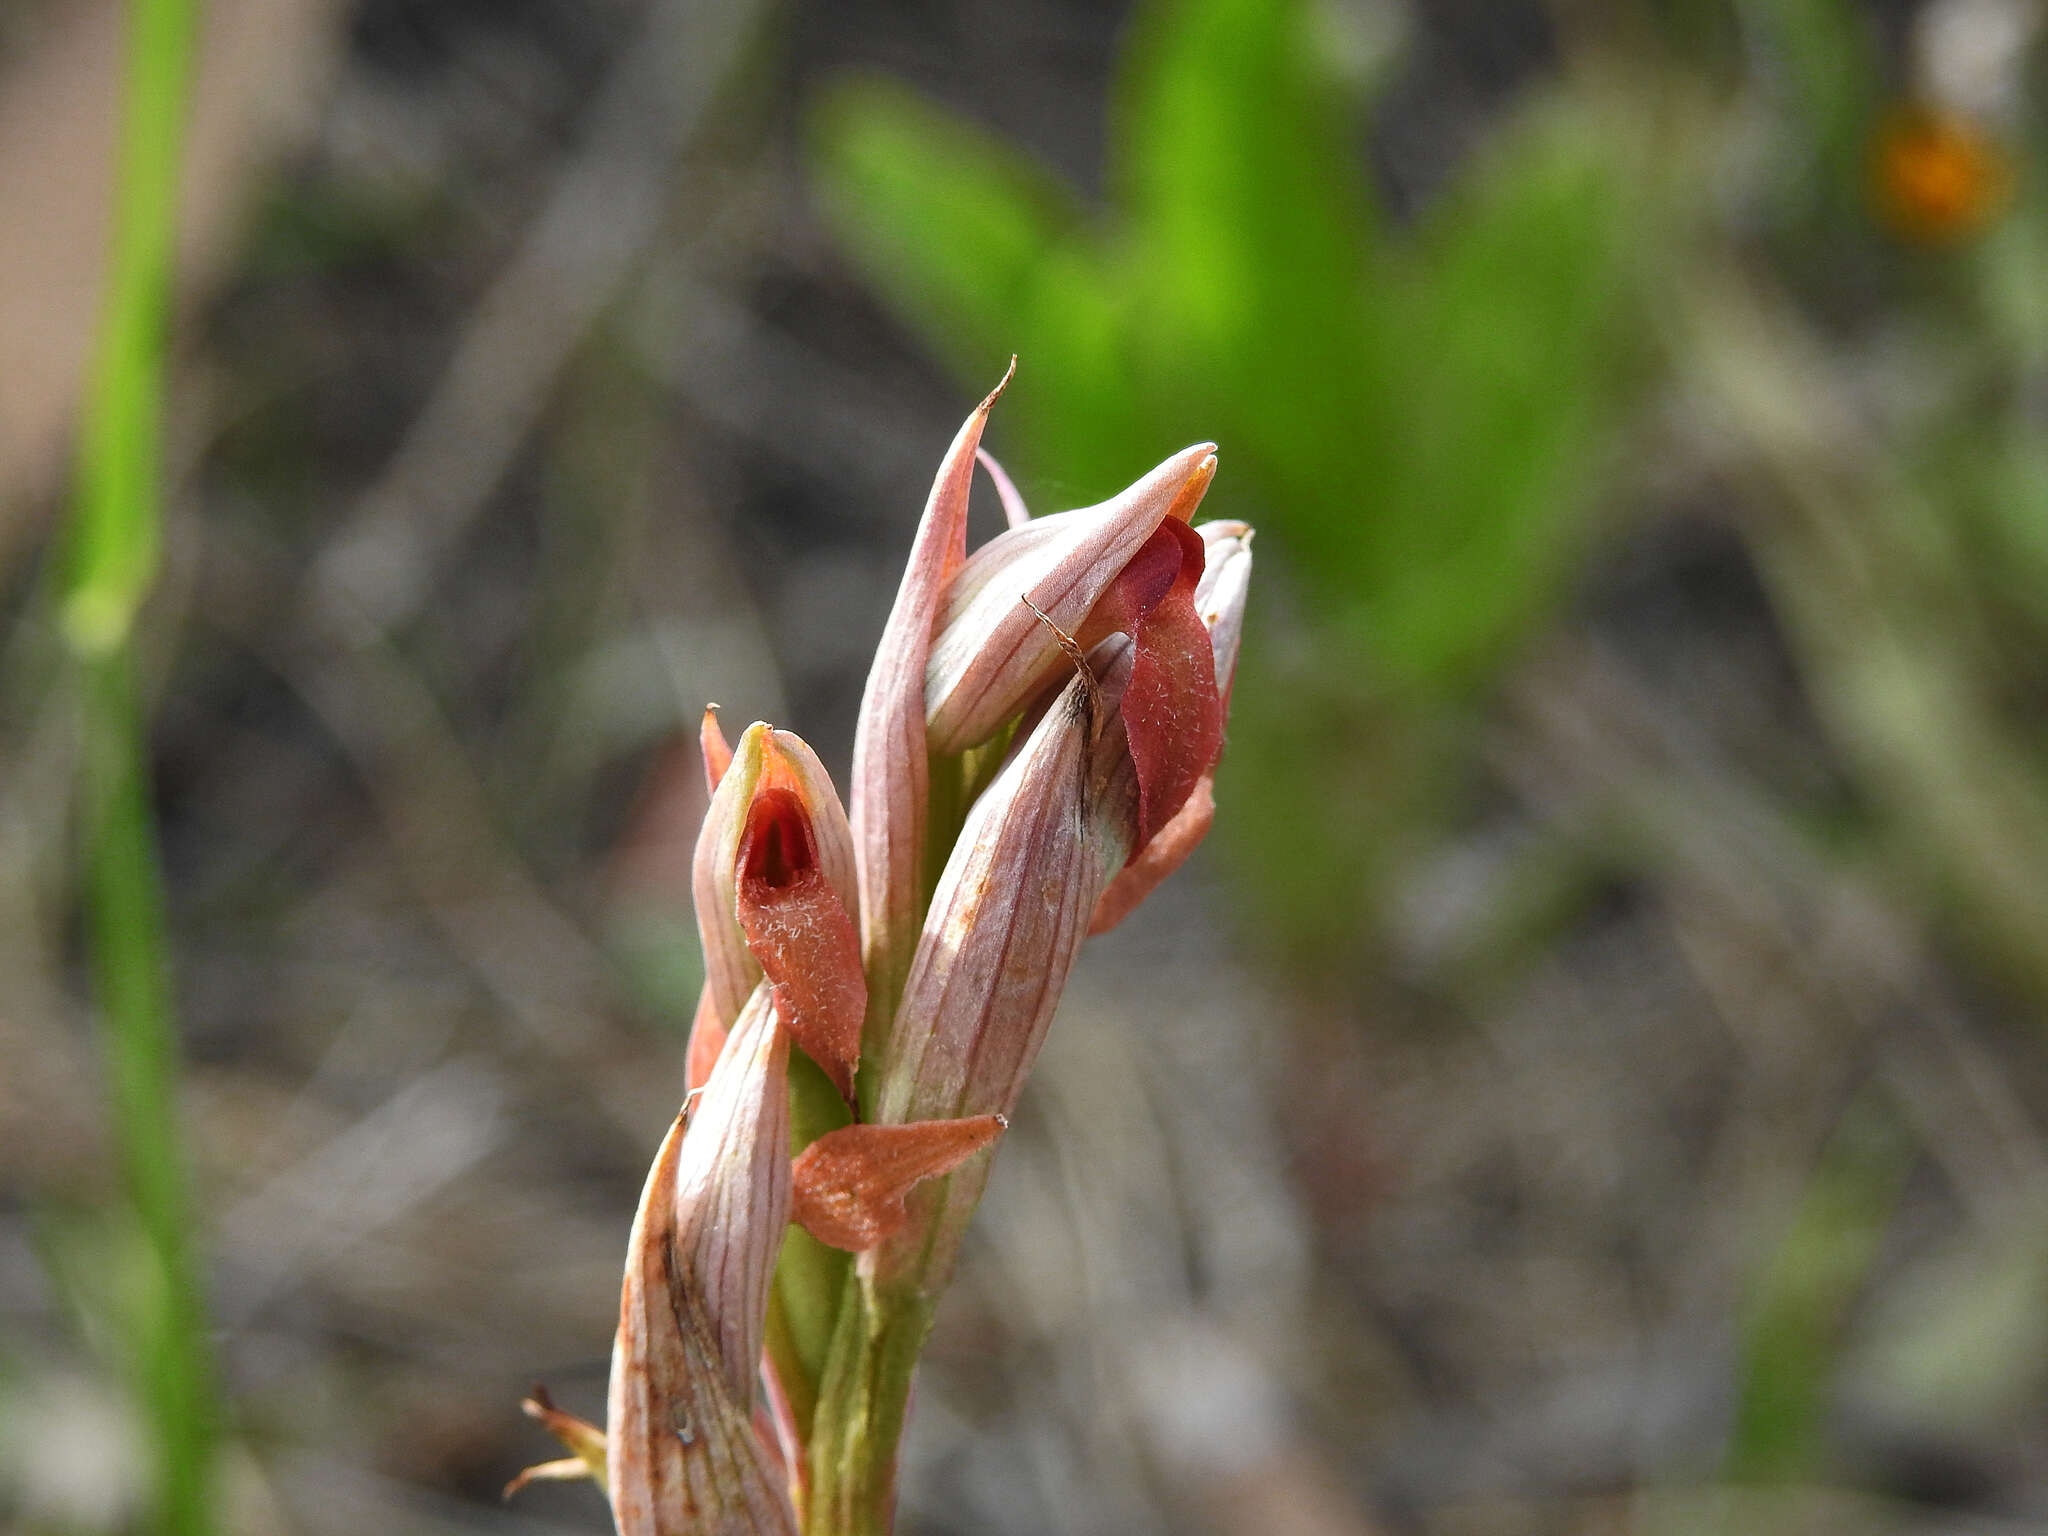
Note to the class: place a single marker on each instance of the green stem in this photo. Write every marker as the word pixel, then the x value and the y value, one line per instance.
pixel 810 1278
pixel 863 1392
pixel 861 1410
pixel 124 899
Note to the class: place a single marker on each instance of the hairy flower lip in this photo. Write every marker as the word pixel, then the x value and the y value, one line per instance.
pixel 848 1186
pixel 802 935
pixel 991 654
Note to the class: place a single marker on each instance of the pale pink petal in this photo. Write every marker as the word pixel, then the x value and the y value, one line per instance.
pixel 1015 513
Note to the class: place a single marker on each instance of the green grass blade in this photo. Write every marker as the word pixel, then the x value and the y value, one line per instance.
pixel 109 563
pixel 114 539
pixel 166 1330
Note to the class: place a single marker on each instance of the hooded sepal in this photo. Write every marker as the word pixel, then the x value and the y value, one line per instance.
pixel 684 1452
pixel 683 1449
pixel 732 1186
pixel 992 656
pixel 847 1187
pixel 890 790
pixel 1005 926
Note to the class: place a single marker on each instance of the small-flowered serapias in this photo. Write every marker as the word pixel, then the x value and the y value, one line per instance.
pixel 1035 753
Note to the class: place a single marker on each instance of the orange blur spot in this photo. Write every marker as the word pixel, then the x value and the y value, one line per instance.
pixel 1939 178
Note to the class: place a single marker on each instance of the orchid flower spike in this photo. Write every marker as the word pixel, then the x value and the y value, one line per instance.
pixel 1035 751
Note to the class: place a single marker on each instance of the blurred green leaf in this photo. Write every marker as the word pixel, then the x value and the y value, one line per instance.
pixel 1248 232
pixel 954 227
pixel 1414 417
pixel 1508 326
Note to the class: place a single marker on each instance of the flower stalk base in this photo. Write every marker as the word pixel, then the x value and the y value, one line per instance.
pixel 863 1402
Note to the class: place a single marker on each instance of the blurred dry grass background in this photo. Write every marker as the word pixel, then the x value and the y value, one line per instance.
pixel 1656 1148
